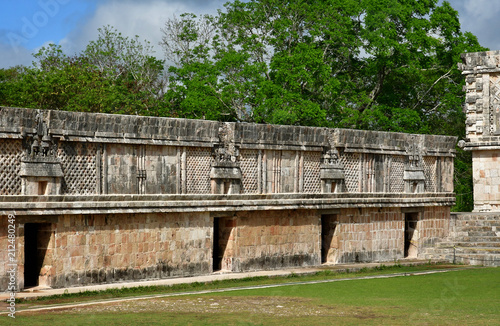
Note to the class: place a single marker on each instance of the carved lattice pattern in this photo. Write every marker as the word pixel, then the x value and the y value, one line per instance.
pixel 397 173
pixel 312 181
pixel 249 163
pixel 430 173
pixel 494 103
pixel 198 170
pixel 351 163
pixel 78 162
pixel 11 152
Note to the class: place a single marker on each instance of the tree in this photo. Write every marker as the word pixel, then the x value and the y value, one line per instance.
pixel 114 74
pixel 367 64
pixel 371 64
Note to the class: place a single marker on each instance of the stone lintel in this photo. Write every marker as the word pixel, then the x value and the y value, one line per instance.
pixel 41 169
pixel 482 146
pixel 223 172
pixel 332 172
pixel 415 174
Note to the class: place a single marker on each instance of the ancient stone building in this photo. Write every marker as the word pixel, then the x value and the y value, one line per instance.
pixel 474 238
pixel 104 198
pixel 482 75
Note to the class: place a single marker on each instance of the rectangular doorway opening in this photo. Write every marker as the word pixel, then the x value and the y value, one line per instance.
pixel 36 242
pixel 410 243
pixel 329 239
pixel 216 257
pixel 223 245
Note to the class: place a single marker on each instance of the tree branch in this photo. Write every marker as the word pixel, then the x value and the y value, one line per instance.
pixel 430 88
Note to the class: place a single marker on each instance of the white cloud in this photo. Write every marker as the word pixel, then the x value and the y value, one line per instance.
pixel 13 57
pixel 482 10
pixel 144 18
pixel 481 18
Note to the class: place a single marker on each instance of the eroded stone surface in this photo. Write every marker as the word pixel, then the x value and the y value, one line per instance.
pixel 482 107
pixel 119 198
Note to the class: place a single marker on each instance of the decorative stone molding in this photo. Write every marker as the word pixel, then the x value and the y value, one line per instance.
pixel 225 150
pixel 332 171
pixel 225 178
pixel 225 174
pixel 104 154
pixel 414 176
pixel 40 170
pixel 481 72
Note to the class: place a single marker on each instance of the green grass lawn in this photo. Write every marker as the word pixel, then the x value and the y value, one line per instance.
pixel 326 274
pixel 466 297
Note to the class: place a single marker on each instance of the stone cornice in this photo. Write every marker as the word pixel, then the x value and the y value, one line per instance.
pixel 16 123
pixel 122 204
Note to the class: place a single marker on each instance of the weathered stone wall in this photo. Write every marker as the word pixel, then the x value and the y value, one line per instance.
pixel 482 106
pixel 374 234
pixel 370 234
pixel 276 239
pixel 91 169
pixel 116 197
pixel 93 249
pixel 486 176
pixel 113 154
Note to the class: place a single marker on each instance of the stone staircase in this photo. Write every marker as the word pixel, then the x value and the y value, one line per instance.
pixel 474 239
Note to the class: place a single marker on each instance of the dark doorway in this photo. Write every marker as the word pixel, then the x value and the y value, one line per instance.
pixel 36 240
pixel 216 255
pixel 410 243
pixel 223 226
pixel 329 241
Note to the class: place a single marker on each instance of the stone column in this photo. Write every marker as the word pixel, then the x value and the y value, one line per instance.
pixel 482 108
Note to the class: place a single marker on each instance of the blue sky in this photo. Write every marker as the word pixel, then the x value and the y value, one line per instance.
pixel 27 25
pixel 33 23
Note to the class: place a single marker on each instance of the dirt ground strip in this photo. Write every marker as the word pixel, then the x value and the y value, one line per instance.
pixel 275 306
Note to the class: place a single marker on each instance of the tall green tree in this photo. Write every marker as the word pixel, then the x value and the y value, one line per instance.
pixel 371 64
pixel 367 64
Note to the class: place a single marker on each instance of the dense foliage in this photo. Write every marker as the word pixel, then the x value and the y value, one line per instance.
pixel 114 74
pixel 366 64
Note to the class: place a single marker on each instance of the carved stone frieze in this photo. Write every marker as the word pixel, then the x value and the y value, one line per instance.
pixel 225 174
pixel 332 170
pixel 40 168
pixel 414 176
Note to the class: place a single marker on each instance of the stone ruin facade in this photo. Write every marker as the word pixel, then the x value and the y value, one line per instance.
pixel 103 198
pixel 482 107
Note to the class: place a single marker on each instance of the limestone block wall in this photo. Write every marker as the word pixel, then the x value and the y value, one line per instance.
pixel 482 107
pixel 93 249
pixel 276 239
pixel 4 254
pixel 433 226
pixel 486 176
pixel 370 234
